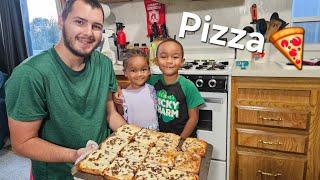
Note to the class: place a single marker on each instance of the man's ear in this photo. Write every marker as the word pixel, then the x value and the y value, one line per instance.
pixel 60 22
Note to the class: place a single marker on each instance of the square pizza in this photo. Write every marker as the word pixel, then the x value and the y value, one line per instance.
pixel 135 151
pixel 194 145
pixel 161 156
pixel 121 168
pixel 152 172
pixel 168 140
pixel 182 175
pixel 147 137
pixel 127 131
pixel 114 144
pixel 96 162
pixel 189 162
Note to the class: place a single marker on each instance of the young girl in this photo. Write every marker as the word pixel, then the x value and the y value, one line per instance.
pixel 139 105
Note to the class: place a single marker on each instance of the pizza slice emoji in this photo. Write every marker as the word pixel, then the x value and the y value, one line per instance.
pixel 289 41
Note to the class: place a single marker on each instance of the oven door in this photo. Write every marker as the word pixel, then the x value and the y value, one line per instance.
pixel 212 125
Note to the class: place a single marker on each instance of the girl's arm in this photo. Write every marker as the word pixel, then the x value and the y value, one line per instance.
pixel 191 123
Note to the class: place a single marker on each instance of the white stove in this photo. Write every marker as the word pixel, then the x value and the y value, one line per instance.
pixel 210 71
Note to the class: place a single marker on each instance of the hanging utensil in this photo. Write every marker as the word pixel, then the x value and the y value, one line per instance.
pixel 254 13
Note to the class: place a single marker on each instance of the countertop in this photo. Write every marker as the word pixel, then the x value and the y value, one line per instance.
pixel 266 69
pixel 276 69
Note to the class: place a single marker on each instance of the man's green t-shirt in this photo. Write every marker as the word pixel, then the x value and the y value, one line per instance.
pixel 71 103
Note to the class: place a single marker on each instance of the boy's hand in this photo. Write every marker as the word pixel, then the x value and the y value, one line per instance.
pixel 118 96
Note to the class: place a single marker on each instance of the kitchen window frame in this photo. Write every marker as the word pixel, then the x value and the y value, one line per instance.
pixel 307 47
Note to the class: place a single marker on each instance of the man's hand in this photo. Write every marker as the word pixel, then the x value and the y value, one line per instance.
pixel 83 152
pixel 118 97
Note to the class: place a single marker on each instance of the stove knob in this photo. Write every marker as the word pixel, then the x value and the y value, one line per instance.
pixel 212 83
pixel 199 83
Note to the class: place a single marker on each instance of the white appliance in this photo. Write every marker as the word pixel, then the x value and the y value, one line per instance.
pixel 213 120
pixel 211 73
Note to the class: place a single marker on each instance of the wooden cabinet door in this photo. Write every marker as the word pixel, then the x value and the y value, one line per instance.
pixel 258 166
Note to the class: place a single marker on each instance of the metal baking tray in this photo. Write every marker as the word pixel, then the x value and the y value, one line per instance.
pixel 203 174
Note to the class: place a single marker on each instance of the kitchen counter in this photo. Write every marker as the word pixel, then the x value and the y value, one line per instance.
pixel 118 69
pixel 268 69
pixel 273 69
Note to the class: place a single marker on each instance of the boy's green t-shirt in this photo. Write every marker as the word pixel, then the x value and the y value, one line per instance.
pixel 174 102
pixel 72 104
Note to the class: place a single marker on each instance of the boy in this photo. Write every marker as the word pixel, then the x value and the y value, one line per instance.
pixel 178 98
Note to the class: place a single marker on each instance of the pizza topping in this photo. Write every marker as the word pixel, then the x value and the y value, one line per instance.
pixel 298 61
pixel 296 41
pixel 293 52
pixel 284 43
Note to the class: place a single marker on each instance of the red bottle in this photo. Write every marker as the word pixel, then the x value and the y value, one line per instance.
pixel 121 35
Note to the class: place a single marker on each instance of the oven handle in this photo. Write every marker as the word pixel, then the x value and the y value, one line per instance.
pixel 214 100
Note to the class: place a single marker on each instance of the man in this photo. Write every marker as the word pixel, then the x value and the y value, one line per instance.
pixel 58 100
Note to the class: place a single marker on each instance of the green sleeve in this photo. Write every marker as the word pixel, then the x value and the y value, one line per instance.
pixel 113 84
pixel 25 94
pixel 193 96
pixel 154 78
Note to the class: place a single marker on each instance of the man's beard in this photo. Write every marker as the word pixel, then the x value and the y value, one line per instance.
pixel 72 49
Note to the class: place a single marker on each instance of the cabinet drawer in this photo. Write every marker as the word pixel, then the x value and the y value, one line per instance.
pixel 271 140
pixel 254 166
pixel 286 95
pixel 250 115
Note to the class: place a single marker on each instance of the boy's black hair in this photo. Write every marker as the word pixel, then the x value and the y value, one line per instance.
pixel 69 4
pixel 170 40
pixel 132 53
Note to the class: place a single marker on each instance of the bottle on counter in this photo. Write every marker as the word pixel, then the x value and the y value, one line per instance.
pixel 136 46
pixel 145 50
pixel 153 51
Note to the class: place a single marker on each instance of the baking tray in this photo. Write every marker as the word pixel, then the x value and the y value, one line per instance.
pixel 203 174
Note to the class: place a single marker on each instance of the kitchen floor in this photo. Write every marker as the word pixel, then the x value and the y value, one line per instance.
pixel 12 166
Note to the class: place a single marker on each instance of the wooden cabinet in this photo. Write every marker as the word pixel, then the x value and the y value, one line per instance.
pixel 123 82
pixel 253 166
pixel 275 129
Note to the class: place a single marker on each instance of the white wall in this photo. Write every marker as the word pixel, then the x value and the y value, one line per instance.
pixel 230 13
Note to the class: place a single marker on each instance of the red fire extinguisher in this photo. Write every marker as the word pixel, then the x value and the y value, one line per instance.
pixel 121 35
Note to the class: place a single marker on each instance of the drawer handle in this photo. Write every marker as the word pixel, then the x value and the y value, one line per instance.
pixel 269 174
pixel 270 119
pixel 269 142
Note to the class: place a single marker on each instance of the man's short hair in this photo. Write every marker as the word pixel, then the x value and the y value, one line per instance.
pixel 69 4
pixel 170 40
pixel 132 53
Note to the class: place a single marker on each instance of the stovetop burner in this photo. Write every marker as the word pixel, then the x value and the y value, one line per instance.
pixel 204 65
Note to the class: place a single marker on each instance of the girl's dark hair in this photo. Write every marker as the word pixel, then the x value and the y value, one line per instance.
pixel 69 4
pixel 170 40
pixel 132 53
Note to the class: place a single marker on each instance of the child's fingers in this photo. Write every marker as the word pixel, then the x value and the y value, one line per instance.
pixel 117 98
pixel 119 91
